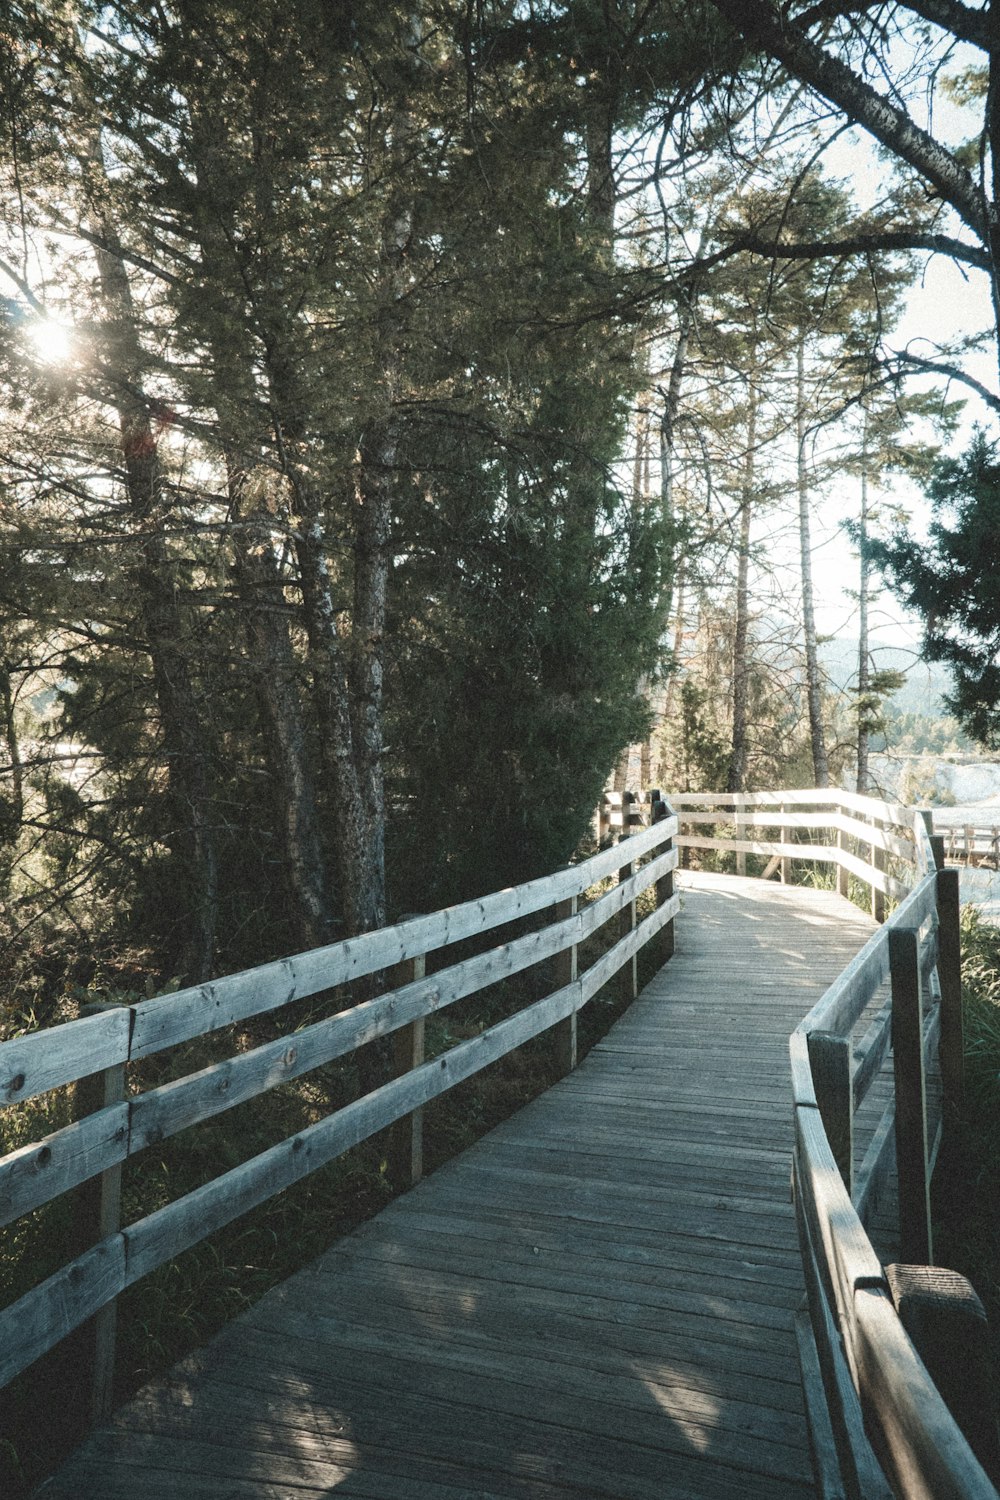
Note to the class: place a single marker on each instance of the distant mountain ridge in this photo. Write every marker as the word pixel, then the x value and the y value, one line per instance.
pixel 926 682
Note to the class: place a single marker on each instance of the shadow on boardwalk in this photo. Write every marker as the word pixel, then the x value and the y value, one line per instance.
pixel 594 1300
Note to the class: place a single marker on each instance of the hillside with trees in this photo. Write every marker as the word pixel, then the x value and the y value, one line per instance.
pixel 404 411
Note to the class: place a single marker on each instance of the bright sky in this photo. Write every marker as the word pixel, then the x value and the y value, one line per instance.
pixel 945 303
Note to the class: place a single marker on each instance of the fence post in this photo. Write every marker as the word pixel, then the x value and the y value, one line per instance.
pixel 915 1239
pixel 407 1140
pixel 665 886
pixel 843 876
pixel 786 864
pixel 877 864
pixel 98 1215
pixel 947 1324
pixel 611 816
pixel 566 970
pixel 627 924
pixel 830 1064
pixel 738 809
pixel 952 1046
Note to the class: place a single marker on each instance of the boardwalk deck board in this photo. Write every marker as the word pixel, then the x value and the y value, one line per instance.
pixel 597 1300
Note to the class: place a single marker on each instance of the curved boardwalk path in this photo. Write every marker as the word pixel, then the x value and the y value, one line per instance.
pixel 595 1300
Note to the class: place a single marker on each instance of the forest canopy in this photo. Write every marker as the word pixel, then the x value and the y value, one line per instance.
pixel 398 409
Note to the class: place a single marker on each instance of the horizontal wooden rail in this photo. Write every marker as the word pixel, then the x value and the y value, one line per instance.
pixel 880 1428
pixel 871 841
pixel 969 845
pixel 867 1390
pixel 100 1142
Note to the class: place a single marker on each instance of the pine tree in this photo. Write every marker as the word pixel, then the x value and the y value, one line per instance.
pixel 949 582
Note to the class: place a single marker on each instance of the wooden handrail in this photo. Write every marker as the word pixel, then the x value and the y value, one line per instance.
pixel 875 1388
pixel 969 844
pixel 876 842
pixel 880 1427
pixel 44 1170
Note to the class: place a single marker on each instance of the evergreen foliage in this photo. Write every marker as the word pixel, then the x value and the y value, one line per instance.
pixel 324 526
pixel 425 424
pixel 950 582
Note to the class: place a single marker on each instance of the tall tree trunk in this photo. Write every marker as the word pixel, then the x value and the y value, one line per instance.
pixel 680 605
pixel 12 801
pixel 274 664
pixel 992 205
pixel 373 528
pixel 377 477
pixel 12 743
pixel 344 676
pixel 864 665
pixel 671 398
pixel 644 687
pixel 274 669
pixel 814 686
pixel 360 845
pixel 668 429
pixel 357 805
pixel 736 780
pixel 185 742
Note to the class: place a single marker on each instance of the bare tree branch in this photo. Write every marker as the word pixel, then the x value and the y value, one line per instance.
pixel 763 26
pixel 961 20
pixel 952 372
pixel 866 243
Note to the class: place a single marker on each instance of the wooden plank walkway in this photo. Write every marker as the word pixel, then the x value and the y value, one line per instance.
pixel 596 1300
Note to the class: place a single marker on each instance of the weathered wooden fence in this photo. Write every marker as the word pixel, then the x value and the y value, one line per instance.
pixel 970 845
pixel 867 1333
pixel 108 1045
pixel 879 1423
pixel 863 838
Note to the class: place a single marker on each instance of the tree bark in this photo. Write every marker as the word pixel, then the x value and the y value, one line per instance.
pixel 736 781
pixel 377 478
pixel 275 667
pixel 668 426
pixel 192 837
pixel 814 686
pixel 680 605
pixel 992 206
pixel 12 804
pixel 373 528
pixel 360 845
pixel 864 667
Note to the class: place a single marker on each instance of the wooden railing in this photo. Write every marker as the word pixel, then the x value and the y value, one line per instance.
pixel 113 1044
pixel 863 838
pixel 878 1423
pixel 969 845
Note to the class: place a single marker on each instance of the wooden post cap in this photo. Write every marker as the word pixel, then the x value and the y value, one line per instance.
pixel 947 1325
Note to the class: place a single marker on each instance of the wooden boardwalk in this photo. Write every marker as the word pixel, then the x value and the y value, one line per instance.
pixel 596 1300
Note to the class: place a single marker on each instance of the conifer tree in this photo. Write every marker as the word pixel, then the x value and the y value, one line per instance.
pixel 374 362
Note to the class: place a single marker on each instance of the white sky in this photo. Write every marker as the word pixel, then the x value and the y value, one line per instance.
pixel 947 302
